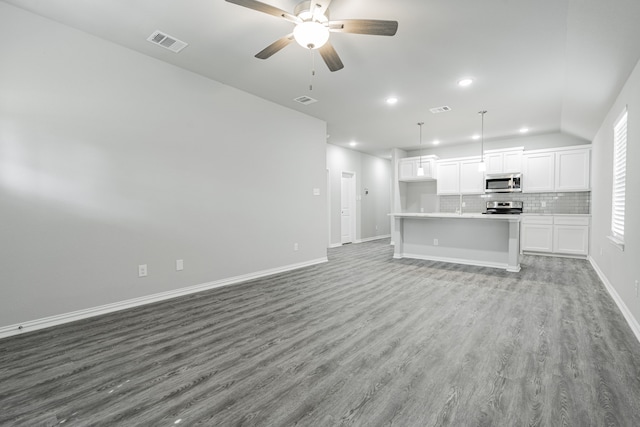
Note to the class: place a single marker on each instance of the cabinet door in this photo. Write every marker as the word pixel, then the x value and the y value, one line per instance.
pixel 494 162
pixel 572 170
pixel 571 239
pixel 407 169
pixel 536 237
pixel 538 174
pixel 471 179
pixel 448 178
pixel 427 166
pixel 512 162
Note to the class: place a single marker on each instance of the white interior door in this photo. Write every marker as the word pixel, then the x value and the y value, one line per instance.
pixel 347 207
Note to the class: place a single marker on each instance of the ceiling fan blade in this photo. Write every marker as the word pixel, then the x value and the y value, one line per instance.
pixel 364 26
pixel 275 47
pixel 331 57
pixel 266 8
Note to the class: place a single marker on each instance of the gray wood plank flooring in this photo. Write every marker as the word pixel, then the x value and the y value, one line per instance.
pixel 362 340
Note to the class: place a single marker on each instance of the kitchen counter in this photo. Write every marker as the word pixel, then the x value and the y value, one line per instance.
pixel 455 215
pixel 472 238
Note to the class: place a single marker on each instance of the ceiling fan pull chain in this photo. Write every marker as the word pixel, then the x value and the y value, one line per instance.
pixel 313 69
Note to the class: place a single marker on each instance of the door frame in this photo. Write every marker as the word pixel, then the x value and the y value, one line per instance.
pixel 352 204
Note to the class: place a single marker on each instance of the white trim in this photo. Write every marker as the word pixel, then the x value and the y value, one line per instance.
pixel 369 239
pixel 616 242
pixel 503 266
pixel 46 322
pixel 335 245
pixel 633 323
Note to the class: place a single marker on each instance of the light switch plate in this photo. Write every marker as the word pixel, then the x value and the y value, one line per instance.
pixel 179 265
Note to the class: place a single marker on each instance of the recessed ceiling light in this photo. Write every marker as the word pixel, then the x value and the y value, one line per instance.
pixel 353 143
pixel 392 100
pixel 436 142
pixel 524 130
pixel 465 82
pixel 476 136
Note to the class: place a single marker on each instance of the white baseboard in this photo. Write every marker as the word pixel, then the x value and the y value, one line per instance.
pixel 503 266
pixel 33 325
pixel 335 245
pixel 632 321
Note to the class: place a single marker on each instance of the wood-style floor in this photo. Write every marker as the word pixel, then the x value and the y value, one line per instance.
pixel 362 340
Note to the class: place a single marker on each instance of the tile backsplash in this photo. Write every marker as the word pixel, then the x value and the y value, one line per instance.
pixel 555 203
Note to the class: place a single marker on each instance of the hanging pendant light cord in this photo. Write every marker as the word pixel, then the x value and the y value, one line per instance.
pixel 482 136
pixel 420 124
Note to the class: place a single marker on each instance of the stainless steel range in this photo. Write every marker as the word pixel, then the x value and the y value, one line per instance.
pixel 496 207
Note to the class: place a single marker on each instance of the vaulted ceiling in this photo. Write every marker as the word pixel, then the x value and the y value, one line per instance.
pixel 548 65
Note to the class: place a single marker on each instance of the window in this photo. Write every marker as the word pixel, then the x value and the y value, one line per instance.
pixel 619 178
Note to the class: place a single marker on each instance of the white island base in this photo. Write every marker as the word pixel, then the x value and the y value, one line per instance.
pixel 474 239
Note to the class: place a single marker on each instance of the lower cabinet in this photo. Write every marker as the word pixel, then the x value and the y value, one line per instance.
pixel 559 234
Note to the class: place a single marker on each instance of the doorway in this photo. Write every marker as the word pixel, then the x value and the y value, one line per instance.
pixel 347 207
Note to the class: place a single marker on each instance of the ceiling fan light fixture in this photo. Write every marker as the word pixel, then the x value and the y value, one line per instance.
pixel 311 34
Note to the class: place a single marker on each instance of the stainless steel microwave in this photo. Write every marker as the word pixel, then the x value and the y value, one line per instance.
pixel 503 183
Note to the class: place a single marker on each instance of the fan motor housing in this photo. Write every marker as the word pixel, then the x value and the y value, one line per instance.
pixel 303 11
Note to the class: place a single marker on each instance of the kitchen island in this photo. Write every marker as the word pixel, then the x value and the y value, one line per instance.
pixel 475 239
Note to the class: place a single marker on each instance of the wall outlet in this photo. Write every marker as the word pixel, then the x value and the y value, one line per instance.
pixel 421 210
pixel 543 204
pixel 295 246
pixel 464 204
pixel 142 270
pixel 179 265
pixel 316 191
pixel 435 242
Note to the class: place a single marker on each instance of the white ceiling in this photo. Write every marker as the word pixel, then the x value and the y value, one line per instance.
pixel 550 65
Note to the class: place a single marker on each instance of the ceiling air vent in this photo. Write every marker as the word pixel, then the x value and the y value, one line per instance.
pixel 167 41
pixel 440 109
pixel 305 100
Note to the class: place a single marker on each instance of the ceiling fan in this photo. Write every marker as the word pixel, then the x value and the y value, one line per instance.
pixel 313 27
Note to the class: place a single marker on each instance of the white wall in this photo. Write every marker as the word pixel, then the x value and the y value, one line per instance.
pixel 110 159
pixel 619 268
pixel 372 209
pixel 529 142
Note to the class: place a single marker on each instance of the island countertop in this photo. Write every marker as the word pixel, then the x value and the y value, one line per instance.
pixel 511 217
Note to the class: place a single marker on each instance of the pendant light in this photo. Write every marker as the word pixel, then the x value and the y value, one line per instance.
pixel 482 166
pixel 420 171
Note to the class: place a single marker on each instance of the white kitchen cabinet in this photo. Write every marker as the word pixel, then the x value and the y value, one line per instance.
pixel 536 234
pixel 571 235
pixel 538 172
pixel 572 170
pixel 408 168
pixel 557 170
pixel 504 161
pixel 448 174
pixel 556 234
pixel 471 179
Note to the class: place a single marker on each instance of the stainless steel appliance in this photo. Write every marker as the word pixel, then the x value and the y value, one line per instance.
pixel 503 183
pixel 496 207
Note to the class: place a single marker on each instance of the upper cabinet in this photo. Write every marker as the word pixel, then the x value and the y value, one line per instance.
pixel 572 170
pixel 408 168
pixel 460 176
pixel 565 169
pixel 448 178
pixel 504 161
pixel 471 179
pixel 538 172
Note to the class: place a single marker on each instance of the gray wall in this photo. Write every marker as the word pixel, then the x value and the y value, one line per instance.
pixel 372 209
pixel 110 159
pixel 621 268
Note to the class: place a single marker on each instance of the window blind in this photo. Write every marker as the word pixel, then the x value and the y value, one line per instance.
pixel 619 177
